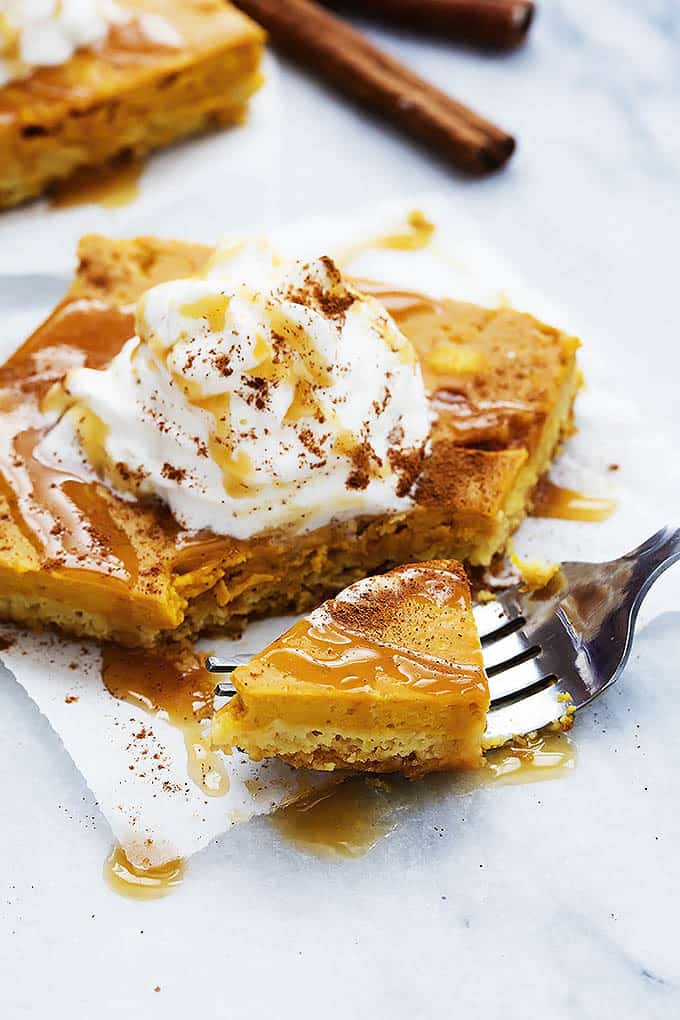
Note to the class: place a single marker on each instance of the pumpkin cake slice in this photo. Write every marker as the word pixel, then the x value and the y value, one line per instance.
pixel 74 554
pixel 387 677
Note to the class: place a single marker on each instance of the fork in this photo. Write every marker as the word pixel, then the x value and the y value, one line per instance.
pixel 553 651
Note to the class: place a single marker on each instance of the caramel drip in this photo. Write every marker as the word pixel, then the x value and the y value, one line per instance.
pixel 349 819
pixel 236 467
pixel 126 879
pixel 85 332
pixel 417 235
pixel 550 500
pixel 345 820
pixel 329 656
pixel 113 185
pixel 213 308
pixel 546 755
pixel 65 519
pixel 450 365
pixel 173 684
pixel 306 372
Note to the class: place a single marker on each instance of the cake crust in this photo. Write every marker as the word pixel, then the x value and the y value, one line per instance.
pixel 472 492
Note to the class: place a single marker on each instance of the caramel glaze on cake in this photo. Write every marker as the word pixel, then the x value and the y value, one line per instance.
pixel 128 95
pixel 387 677
pixel 73 554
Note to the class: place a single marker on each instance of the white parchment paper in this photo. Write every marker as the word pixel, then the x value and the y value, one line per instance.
pixel 159 821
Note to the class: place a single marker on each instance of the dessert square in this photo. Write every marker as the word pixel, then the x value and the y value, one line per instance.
pixel 128 95
pixel 387 677
pixel 75 554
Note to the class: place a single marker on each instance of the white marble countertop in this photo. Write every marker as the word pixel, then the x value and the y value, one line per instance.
pixel 557 899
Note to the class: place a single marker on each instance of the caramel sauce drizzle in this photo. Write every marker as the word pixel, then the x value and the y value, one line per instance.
pixel 546 755
pixel 350 819
pixel 345 820
pixel 448 366
pixel 66 521
pixel 113 185
pixel 126 879
pixel 418 234
pixel 550 500
pixel 329 656
pixel 171 683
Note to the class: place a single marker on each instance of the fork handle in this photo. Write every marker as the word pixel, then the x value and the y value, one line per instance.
pixel 652 558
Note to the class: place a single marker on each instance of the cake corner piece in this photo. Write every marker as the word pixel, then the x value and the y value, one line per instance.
pixel 387 677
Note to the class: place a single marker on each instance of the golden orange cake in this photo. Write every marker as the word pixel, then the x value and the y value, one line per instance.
pixel 75 554
pixel 127 95
pixel 387 677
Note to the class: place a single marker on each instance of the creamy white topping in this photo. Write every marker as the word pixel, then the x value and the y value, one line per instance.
pixel 44 33
pixel 264 394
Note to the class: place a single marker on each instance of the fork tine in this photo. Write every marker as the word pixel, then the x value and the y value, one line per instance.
pixel 502 631
pixel 524 715
pixel 525 654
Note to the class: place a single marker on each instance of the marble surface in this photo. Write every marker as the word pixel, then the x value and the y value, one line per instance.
pixel 556 898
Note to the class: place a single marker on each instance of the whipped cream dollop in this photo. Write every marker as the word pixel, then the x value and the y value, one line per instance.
pixel 265 393
pixel 43 33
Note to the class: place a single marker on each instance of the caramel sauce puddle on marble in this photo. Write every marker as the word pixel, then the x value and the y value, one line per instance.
pixel 113 185
pixel 350 819
pixel 548 755
pixel 345 820
pixel 127 880
pixel 174 685
pixel 550 500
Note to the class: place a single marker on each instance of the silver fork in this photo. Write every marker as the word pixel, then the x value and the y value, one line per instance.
pixel 558 648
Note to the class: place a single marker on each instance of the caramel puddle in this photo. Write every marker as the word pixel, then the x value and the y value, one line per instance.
pixel 548 755
pixel 114 185
pixel 416 234
pixel 172 683
pixel 552 500
pixel 350 819
pixel 125 879
pixel 345 820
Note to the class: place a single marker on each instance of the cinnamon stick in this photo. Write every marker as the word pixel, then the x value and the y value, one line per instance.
pixel 492 24
pixel 346 59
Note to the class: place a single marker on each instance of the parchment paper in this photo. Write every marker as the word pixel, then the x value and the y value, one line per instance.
pixel 157 824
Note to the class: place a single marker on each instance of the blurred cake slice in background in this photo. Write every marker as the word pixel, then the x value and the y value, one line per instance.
pixel 82 85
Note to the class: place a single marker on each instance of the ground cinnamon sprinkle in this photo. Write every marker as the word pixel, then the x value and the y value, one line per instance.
pixel 407 465
pixel 222 364
pixel 364 460
pixel 173 474
pixel 261 394
pixel 332 300
pixel 374 610
pixel 128 474
pixel 309 441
